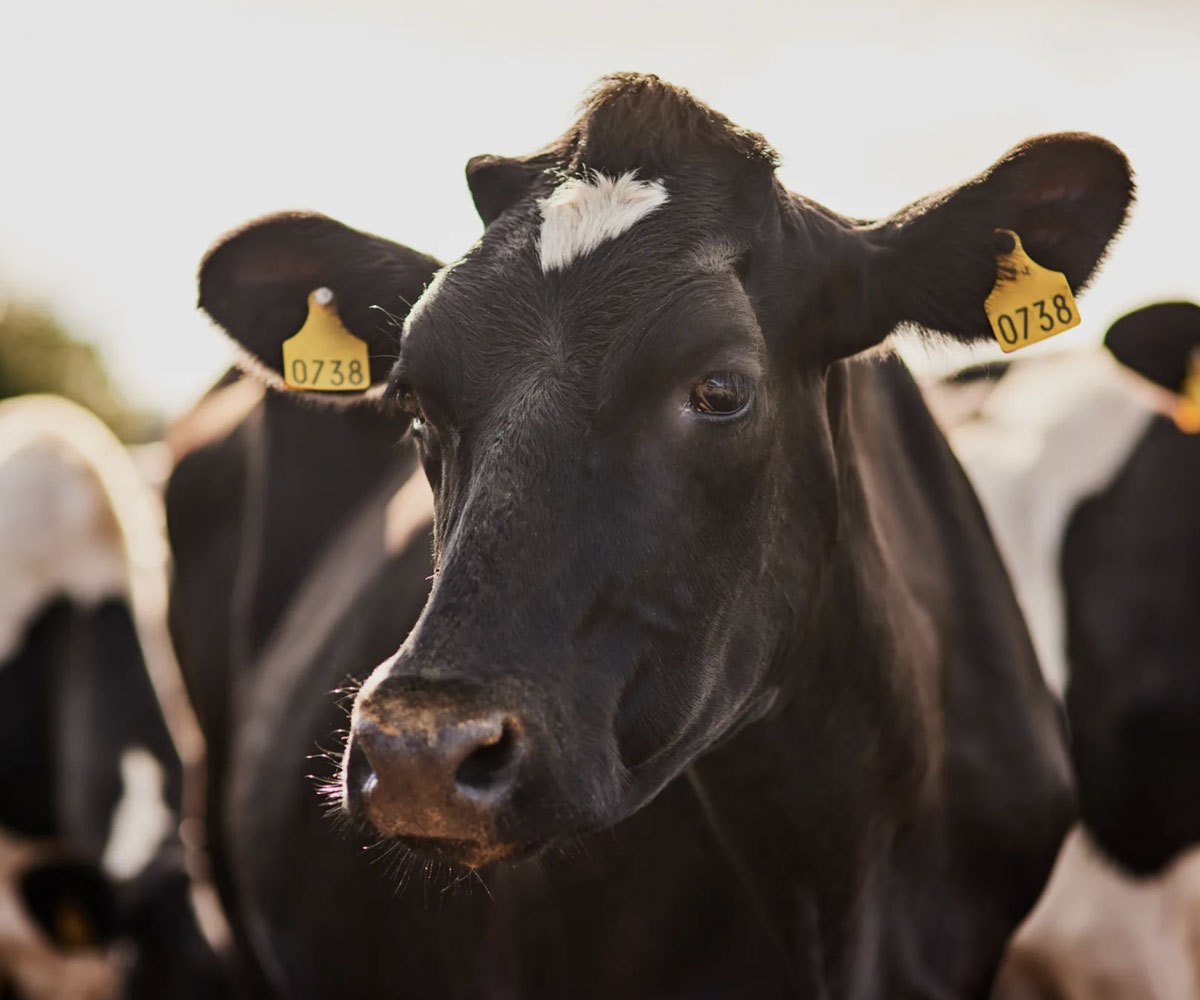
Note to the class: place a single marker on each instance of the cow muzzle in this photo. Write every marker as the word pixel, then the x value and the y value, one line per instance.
pixel 434 773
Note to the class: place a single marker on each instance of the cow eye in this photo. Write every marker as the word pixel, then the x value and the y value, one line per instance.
pixel 411 405
pixel 721 394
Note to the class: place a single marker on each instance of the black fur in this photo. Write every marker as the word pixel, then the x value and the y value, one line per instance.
pixel 255 283
pixel 767 672
pixel 1131 575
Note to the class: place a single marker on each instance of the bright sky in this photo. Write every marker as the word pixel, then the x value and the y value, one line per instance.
pixel 137 132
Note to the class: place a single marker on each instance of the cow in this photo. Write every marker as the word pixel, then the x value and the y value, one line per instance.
pixel 1088 466
pixel 261 488
pixel 95 897
pixel 720 687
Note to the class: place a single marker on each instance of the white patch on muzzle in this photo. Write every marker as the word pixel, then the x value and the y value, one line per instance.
pixel 580 214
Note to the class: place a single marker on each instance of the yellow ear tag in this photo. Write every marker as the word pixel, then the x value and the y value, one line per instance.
pixel 1028 303
pixel 324 356
pixel 1187 411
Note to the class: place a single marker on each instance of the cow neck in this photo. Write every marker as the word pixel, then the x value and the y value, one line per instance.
pixel 802 801
pixel 307 472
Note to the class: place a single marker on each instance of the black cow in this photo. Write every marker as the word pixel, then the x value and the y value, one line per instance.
pixel 717 632
pixel 95 900
pixel 260 490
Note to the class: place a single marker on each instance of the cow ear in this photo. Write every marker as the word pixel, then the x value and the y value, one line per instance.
pixel 1158 341
pixel 934 263
pixel 497 183
pixel 255 283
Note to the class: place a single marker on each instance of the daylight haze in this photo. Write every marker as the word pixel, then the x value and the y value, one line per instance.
pixel 136 133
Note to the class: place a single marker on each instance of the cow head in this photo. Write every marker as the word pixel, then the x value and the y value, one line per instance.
pixel 1131 575
pixel 619 395
pixel 58 924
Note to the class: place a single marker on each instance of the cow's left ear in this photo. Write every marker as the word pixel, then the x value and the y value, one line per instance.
pixel 934 263
pixel 1158 341
pixel 256 284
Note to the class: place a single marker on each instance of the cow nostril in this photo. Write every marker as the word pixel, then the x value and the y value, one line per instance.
pixel 487 766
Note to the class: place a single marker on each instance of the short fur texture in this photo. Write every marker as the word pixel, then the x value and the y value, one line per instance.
pixel 761 659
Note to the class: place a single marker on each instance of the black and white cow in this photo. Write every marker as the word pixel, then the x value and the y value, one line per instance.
pixel 94 898
pixel 717 631
pixel 1091 480
pixel 263 493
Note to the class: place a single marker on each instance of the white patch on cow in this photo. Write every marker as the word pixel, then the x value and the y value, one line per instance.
pixel 58 535
pixel 1099 932
pixel 142 818
pixel 580 214
pixel 127 554
pixel 1054 431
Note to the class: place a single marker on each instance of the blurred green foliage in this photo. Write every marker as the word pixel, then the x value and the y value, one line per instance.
pixel 38 355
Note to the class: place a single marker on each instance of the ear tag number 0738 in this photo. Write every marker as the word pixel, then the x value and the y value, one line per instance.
pixel 1028 303
pixel 324 356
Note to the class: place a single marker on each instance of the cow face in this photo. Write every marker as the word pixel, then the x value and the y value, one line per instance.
pixel 57 925
pixel 619 397
pixel 1131 574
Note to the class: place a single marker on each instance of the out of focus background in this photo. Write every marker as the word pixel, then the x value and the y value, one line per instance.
pixel 135 133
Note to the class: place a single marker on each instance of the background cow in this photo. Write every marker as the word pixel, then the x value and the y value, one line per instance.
pixel 1092 485
pixel 702 577
pixel 94 897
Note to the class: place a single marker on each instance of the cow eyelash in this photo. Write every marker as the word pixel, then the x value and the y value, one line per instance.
pixel 408 403
pixel 722 395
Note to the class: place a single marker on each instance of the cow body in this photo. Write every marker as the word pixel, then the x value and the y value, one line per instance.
pixel 623 912
pixel 1091 491
pixel 94 896
pixel 720 687
pixel 236 571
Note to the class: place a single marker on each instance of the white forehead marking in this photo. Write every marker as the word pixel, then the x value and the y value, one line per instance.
pixel 580 214
pixel 1053 432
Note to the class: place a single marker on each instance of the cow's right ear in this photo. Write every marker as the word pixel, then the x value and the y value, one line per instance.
pixel 255 283
pixel 1157 341
pixel 497 183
